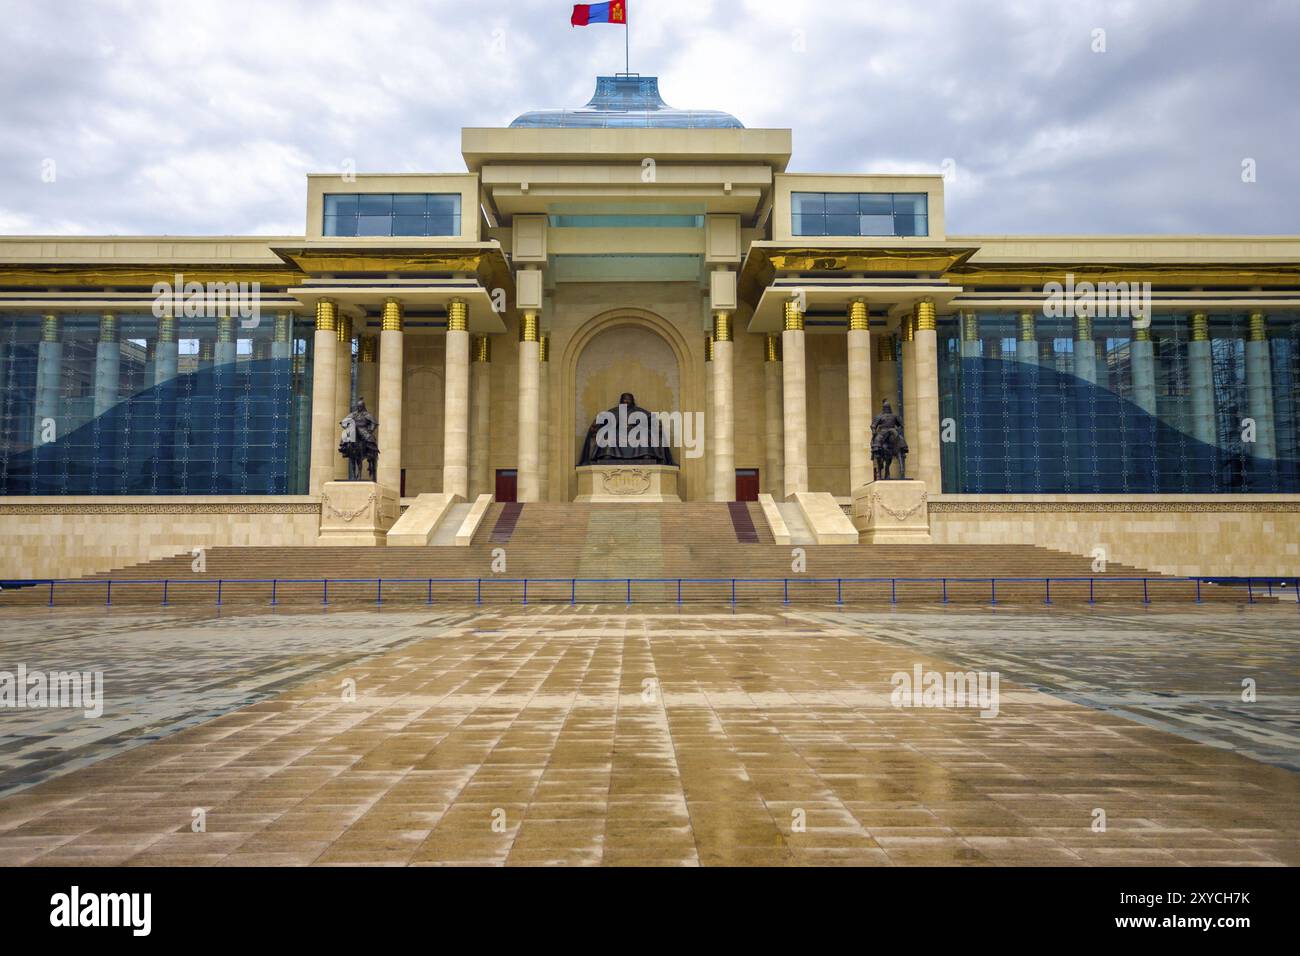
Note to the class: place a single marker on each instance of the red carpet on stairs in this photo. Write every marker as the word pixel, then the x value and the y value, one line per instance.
pixel 505 526
pixel 746 533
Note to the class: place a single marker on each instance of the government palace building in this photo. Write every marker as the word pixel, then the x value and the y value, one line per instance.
pixel 1131 399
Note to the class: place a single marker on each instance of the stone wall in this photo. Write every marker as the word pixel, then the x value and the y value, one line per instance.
pixel 1236 535
pixel 63 537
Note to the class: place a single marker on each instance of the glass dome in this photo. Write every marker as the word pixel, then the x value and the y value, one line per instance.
pixel 626 101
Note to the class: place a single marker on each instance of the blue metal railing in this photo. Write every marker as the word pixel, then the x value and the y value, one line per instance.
pixel 733 590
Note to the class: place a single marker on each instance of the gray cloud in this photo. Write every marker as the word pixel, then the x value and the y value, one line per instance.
pixel 203 118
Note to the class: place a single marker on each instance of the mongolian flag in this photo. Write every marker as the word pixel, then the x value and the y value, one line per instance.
pixel 586 13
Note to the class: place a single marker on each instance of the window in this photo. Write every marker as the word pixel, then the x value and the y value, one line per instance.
pixel 392 214
pixel 1071 417
pixel 860 214
pixel 189 416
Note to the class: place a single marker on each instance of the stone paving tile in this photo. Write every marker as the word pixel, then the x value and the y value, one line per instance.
pixel 165 671
pixel 585 736
pixel 1178 671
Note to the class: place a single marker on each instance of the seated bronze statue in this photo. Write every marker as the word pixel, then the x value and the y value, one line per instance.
pixel 626 435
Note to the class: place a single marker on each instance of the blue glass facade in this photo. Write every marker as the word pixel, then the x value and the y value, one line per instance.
pixel 859 214
pixel 391 214
pixel 213 409
pixel 1172 415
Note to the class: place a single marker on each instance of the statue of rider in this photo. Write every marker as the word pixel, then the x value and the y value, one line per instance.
pixel 882 424
pixel 360 440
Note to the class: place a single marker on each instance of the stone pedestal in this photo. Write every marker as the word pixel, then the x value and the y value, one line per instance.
pixel 892 512
pixel 356 513
pixel 627 484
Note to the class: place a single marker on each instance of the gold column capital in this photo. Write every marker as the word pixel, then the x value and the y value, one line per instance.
pixel 1027 331
pixel 528 330
pixel 327 315
pixel 369 349
pixel 925 316
pixel 886 346
pixel 391 317
pixel 344 329
pixel 167 327
pixel 283 322
pixel 771 347
pixel 858 317
pixel 970 327
pixel 708 347
pixel 1258 327
pixel 457 316
pixel 225 328
pixel 907 327
pixel 108 327
pixel 544 347
pixel 51 327
pixel 481 350
pixel 1200 327
pixel 1083 328
pixel 1141 333
pixel 721 327
pixel 793 318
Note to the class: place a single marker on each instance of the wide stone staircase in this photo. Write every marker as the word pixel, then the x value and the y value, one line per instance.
pixel 692 552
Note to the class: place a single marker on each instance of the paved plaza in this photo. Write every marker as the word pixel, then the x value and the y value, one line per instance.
pixel 589 735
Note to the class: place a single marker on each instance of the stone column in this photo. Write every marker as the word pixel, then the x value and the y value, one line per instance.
pixel 282 344
pixel 300 483
pixel 1085 350
pixel 970 335
pixel 860 411
pixel 108 364
pixel 368 370
pixel 455 440
pixel 911 427
pixel 1200 381
pixel 1142 360
pixel 1027 343
pixel 886 377
pixel 325 346
pixel 529 482
pixel 544 417
pixel 775 458
pixel 710 419
pixel 167 353
pixel 480 414
pixel 227 350
pixel 49 375
pixel 794 381
pixel 342 387
pixel 1259 387
pixel 724 409
pixel 925 343
pixel 389 415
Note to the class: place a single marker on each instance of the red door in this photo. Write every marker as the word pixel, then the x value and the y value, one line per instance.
pixel 746 484
pixel 507 484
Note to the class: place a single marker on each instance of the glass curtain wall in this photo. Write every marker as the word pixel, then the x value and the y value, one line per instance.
pixel 1208 404
pixel 133 405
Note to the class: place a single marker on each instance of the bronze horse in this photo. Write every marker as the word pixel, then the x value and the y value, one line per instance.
pixel 888 446
pixel 360 441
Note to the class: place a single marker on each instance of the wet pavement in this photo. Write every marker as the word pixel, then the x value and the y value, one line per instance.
pixel 601 735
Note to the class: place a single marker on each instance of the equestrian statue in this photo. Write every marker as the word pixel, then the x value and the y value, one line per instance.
pixel 360 441
pixel 887 443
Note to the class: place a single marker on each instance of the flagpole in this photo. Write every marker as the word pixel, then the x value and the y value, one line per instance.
pixel 627 47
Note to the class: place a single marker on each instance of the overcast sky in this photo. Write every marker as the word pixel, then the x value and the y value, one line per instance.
pixel 190 117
